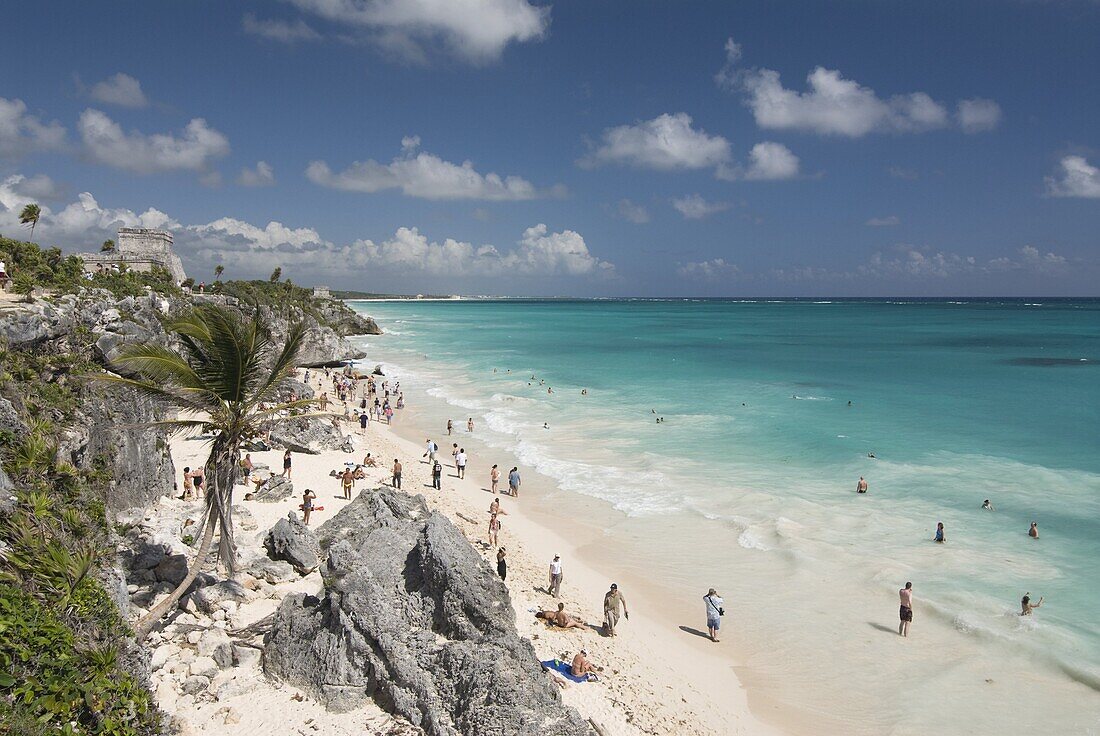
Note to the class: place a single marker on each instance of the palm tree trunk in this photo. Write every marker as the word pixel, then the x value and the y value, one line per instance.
pixel 146 624
pixel 223 467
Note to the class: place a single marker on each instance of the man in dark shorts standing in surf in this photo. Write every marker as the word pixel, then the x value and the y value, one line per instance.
pixel 906 594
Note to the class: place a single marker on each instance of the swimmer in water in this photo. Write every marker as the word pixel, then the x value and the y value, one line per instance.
pixel 1026 606
pixel 861 486
pixel 987 506
pixel 1033 532
pixel 871 455
pixel 545 425
pixel 939 533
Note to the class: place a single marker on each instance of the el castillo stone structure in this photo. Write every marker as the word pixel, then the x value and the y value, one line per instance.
pixel 140 249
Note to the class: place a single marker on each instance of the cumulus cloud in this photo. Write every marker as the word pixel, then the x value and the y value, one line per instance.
pixel 21 133
pixel 668 142
pixel 1077 178
pixel 106 142
pixel 476 31
pixel 283 31
pixel 834 105
pixel 262 175
pixel 27 188
pixel 631 212
pixel 694 207
pixel 888 221
pixel 977 115
pixel 922 263
pixel 122 90
pixel 768 161
pixel 426 176
pixel 711 270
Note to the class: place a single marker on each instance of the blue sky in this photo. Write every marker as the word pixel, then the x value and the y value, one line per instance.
pixel 614 148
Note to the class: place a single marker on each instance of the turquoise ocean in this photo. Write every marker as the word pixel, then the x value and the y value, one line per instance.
pixel 748 483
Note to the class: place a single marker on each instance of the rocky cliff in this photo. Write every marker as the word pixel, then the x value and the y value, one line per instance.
pixel 414 618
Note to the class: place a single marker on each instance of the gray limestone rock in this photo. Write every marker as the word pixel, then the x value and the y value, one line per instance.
pixel 413 617
pixel 310 435
pixel 275 488
pixel 207 598
pixel 172 569
pixel 273 571
pixel 292 541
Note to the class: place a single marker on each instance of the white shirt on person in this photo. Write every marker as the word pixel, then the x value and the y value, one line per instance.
pixel 555 567
pixel 714 604
pixel 460 459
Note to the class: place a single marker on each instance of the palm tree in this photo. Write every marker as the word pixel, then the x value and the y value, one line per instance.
pixel 218 271
pixel 225 377
pixel 107 247
pixel 30 215
pixel 276 274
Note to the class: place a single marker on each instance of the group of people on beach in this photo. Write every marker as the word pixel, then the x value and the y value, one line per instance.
pixel 940 537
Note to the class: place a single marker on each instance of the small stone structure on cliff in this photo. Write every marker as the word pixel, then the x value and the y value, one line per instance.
pixel 140 248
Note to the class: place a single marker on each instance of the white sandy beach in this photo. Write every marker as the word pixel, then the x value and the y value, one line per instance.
pixel 656 679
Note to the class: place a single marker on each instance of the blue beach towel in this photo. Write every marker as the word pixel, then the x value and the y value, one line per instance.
pixel 563 668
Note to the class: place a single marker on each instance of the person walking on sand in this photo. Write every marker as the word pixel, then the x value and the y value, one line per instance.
pixel 307 505
pixel 460 463
pixel 396 474
pixel 363 419
pixel 906 612
pixel 494 478
pixel 1026 606
pixel 437 476
pixel 470 424
pixel 494 530
pixel 612 601
pixel 347 480
pixel 513 482
pixel 554 588
pixel 861 487
pixel 450 427
pixel 939 534
pixel 1033 532
pixel 188 485
pixel 715 612
pixel 502 564
pixel 246 468
pixel 430 450
pixel 286 464
pixel 324 401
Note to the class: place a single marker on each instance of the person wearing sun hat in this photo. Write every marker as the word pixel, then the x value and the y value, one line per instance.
pixel 714 613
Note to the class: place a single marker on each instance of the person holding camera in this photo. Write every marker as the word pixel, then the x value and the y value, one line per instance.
pixel 714 613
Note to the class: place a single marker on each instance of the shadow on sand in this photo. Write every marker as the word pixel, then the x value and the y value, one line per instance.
pixel 696 632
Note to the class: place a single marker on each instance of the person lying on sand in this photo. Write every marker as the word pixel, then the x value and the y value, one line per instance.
pixel 582 667
pixel 561 618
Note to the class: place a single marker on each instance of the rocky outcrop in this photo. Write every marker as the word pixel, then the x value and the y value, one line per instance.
pixel 310 435
pixel 275 488
pixel 413 617
pixel 291 541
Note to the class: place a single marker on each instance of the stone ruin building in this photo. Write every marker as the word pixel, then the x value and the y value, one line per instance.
pixel 140 248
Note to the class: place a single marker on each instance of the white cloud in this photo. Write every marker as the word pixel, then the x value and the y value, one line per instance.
pixel 106 142
pixel 667 142
pixel 833 105
pixel 426 176
pixel 711 270
pixel 631 212
pixel 768 161
pixel 476 31
pixel 694 207
pixel 888 221
pixel 122 90
pixel 977 115
pixel 21 133
pixel 1078 178
pixel 279 30
pixel 260 176
pixel 27 189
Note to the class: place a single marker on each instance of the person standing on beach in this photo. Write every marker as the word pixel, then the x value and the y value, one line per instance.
pixel 307 505
pixel 437 476
pixel 450 427
pixel 1033 532
pixel 502 564
pixel 494 478
pixel 470 424
pixel 324 401
pixel 460 463
pixel 715 612
pixel 246 468
pixel 612 600
pixel 906 612
pixel 188 486
pixel 861 487
pixel 429 451
pixel 513 482
pixel 397 473
pixel 363 419
pixel 347 480
pixel 555 576
pixel 494 529
pixel 286 464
